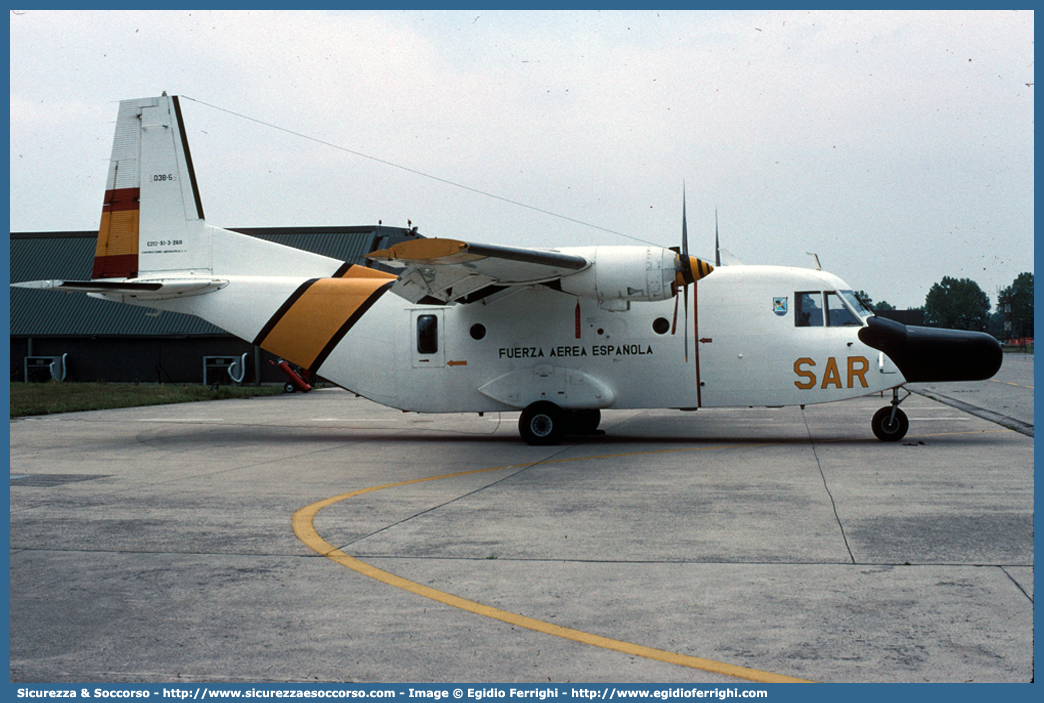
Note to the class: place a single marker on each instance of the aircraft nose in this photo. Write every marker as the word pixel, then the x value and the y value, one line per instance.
pixel 927 354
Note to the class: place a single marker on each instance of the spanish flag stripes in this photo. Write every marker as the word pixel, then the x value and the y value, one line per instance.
pixel 116 254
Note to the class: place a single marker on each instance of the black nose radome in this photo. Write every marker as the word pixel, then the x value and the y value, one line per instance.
pixel 926 354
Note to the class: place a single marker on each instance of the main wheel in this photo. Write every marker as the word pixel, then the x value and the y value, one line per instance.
pixel 887 428
pixel 585 421
pixel 542 423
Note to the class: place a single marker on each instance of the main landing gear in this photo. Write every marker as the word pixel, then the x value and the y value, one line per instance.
pixel 890 423
pixel 544 423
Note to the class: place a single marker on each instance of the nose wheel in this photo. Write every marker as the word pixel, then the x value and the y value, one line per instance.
pixel 890 424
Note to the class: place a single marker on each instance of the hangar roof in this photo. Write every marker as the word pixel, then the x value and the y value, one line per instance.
pixel 69 256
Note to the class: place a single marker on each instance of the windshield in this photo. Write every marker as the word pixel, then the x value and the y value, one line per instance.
pixel 856 304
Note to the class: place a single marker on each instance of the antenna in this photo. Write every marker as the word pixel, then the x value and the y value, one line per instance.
pixel 422 174
pixel 816 257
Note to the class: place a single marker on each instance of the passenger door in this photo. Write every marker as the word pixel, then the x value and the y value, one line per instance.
pixel 428 338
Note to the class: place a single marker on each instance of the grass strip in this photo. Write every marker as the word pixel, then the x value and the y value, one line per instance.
pixel 65 397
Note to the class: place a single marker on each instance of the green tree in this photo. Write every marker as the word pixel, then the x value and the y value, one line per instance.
pixel 996 326
pixel 958 304
pixel 883 305
pixel 1015 304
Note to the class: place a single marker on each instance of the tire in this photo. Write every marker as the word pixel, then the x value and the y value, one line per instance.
pixel 585 422
pixel 288 387
pixel 888 429
pixel 542 424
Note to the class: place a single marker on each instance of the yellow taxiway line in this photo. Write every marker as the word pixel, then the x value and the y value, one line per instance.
pixel 1009 383
pixel 304 528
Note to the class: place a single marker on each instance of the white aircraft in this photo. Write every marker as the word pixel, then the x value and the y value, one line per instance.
pixel 556 333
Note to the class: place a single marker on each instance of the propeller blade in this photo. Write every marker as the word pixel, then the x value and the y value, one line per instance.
pixel 717 247
pixel 686 270
pixel 685 227
pixel 674 323
pixel 686 324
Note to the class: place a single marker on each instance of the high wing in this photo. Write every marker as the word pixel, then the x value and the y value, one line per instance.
pixel 451 271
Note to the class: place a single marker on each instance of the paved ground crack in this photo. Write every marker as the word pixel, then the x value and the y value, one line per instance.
pixel 826 487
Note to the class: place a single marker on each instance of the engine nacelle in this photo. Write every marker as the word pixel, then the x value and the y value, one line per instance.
pixel 628 273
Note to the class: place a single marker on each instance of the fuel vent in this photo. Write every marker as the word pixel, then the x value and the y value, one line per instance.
pixel 47 480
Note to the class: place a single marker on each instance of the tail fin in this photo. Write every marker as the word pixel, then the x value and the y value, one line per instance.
pixel 152 223
pixel 152 219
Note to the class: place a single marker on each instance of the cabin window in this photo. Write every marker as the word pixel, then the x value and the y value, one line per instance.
pixel 808 309
pixel 427 334
pixel 838 314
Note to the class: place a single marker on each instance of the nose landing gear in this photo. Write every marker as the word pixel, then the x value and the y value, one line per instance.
pixel 890 424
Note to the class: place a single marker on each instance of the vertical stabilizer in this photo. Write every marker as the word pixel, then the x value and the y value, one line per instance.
pixel 152 218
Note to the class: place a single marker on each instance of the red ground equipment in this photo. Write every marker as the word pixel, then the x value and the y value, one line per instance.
pixel 299 380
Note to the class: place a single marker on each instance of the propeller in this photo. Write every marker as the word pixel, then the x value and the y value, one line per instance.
pixel 688 270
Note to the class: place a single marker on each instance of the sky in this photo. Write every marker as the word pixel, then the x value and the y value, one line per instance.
pixel 897 146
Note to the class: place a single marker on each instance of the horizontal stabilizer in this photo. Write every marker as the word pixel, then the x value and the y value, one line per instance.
pixel 138 289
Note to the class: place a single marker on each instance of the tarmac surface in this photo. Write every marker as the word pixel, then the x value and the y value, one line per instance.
pixel 184 543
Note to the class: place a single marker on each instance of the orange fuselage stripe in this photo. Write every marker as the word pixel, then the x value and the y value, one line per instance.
pixel 318 315
pixel 356 271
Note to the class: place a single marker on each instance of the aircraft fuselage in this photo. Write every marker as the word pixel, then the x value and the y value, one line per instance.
pixel 745 347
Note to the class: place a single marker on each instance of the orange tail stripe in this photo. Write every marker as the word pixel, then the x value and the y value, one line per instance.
pixel 116 254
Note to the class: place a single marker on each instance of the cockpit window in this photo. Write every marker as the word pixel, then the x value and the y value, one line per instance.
pixel 808 309
pixel 842 309
pixel 838 314
pixel 861 308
